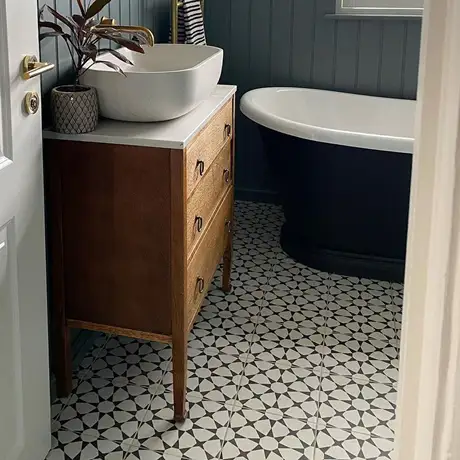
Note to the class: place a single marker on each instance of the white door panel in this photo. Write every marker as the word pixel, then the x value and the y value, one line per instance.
pixel 24 369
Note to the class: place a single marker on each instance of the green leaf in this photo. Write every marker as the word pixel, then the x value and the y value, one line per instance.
pixel 111 65
pixel 117 54
pixel 95 7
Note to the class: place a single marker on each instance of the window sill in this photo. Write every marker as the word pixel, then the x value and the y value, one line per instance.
pixel 375 17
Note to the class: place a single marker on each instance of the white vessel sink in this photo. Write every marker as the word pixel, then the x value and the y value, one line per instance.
pixel 166 82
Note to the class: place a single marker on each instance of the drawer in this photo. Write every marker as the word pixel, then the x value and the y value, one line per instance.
pixel 210 250
pixel 207 195
pixel 207 145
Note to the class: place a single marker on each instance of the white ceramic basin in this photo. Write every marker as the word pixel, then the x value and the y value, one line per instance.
pixel 166 82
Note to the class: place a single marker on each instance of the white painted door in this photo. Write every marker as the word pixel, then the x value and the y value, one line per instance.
pixel 24 369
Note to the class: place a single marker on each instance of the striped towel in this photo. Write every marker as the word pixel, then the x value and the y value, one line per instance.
pixel 191 23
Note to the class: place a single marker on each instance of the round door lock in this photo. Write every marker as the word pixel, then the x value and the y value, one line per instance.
pixel 31 102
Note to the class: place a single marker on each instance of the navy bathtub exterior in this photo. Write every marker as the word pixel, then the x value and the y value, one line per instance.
pixel 346 208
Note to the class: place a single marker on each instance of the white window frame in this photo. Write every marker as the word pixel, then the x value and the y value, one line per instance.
pixel 376 11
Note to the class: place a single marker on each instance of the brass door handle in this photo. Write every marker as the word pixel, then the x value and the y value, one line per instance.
pixel 31 67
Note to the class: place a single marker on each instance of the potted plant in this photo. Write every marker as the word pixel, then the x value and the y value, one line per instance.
pixel 74 107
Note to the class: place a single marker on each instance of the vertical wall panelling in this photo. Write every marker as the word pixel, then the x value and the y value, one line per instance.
pixel 63 56
pixel 258 40
pixel 124 12
pixel 115 11
pixel 303 38
pixel 410 72
pixel 281 42
pixel 48 52
pixel 218 21
pixel 347 55
pixel 239 55
pixel 370 56
pixel 393 52
pixel 106 12
pixel 324 45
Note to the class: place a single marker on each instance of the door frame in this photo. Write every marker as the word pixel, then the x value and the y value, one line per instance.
pixel 428 412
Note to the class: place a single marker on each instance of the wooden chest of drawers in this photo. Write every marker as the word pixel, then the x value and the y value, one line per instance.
pixel 135 236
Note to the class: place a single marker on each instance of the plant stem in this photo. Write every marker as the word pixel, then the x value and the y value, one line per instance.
pixel 79 69
pixel 71 54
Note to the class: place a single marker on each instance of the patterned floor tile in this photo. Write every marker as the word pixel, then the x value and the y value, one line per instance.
pixel 147 454
pixel 114 412
pixel 255 435
pixel 366 407
pixel 372 360
pixel 88 445
pixel 200 437
pixel 293 364
pixel 363 321
pixel 287 346
pixel 125 360
pixel 80 372
pixel 211 374
pixel 292 392
pixel 337 444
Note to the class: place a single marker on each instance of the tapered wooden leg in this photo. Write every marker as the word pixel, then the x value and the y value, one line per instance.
pixel 228 256
pixel 62 359
pixel 179 376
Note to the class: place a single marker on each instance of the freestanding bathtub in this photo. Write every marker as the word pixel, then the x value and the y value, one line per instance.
pixel 343 166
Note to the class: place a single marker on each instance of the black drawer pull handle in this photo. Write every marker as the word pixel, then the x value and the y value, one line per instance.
pixel 200 166
pixel 228 226
pixel 199 223
pixel 228 130
pixel 200 284
pixel 227 175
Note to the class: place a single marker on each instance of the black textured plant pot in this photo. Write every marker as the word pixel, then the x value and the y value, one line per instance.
pixel 75 109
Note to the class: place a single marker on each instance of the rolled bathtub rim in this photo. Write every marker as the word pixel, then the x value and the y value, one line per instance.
pixel 251 108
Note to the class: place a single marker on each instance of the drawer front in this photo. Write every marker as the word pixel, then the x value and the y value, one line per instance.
pixel 203 265
pixel 207 195
pixel 207 145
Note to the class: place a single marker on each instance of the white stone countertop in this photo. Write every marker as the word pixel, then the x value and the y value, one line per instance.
pixel 173 134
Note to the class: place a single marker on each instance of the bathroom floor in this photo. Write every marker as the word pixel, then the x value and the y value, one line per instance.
pixel 293 364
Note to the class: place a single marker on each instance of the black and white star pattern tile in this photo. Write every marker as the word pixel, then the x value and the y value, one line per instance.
pixel 293 364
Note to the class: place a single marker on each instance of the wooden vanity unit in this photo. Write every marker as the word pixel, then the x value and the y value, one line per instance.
pixel 138 218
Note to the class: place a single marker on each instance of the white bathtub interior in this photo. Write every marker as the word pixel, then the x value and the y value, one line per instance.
pixel 336 118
